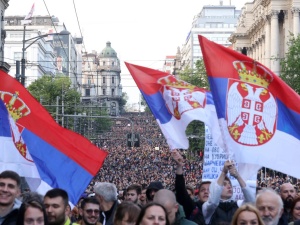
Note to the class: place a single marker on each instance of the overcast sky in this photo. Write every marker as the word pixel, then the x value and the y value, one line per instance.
pixel 140 31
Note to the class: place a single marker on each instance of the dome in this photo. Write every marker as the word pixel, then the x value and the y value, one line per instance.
pixel 108 52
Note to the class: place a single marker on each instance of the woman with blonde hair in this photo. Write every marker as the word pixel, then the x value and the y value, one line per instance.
pixel 247 214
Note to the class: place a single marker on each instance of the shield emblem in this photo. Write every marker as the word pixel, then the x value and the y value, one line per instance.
pixel 251 113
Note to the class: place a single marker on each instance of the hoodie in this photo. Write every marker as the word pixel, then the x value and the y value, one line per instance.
pixel 156 185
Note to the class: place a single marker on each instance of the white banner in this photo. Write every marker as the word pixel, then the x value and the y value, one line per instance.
pixel 213 161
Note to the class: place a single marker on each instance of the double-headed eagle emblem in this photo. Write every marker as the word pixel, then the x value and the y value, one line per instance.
pixel 251 108
pixel 181 96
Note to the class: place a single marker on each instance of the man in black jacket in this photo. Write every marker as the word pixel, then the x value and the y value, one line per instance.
pixel 193 210
pixel 10 183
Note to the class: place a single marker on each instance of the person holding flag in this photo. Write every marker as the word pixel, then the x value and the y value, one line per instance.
pixel 220 207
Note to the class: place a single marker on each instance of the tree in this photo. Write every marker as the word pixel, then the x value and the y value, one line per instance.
pixel 123 101
pixel 196 76
pixel 144 103
pixel 196 129
pixel 290 66
pixel 47 89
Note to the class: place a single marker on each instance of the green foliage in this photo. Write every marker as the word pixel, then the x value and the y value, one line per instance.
pixel 290 66
pixel 196 129
pixel 123 101
pixel 196 76
pixel 144 103
pixel 47 90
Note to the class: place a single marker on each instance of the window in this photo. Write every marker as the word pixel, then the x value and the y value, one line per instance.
pixel 103 63
pixel 103 91
pixel 113 63
pixel 103 80
pixel 113 80
pixel 87 92
pixel 18 56
pixel 112 92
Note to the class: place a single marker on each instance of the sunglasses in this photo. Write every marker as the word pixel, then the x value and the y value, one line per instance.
pixel 91 211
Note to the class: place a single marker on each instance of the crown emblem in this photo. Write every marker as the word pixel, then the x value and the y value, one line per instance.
pixel 15 106
pixel 253 73
pixel 171 81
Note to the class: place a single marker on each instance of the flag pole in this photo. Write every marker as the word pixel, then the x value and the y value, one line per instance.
pixel 23 59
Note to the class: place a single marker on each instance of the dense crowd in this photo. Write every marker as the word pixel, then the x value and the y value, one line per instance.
pixel 152 160
pixel 141 165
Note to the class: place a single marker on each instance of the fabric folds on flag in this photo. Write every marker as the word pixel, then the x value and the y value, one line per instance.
pixel 36 147
pixel 259 114
pixel 29 15
pixel 174 103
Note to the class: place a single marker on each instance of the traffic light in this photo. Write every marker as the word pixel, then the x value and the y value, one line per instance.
pixel 133 138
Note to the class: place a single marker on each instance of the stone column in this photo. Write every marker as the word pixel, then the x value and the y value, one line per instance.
pixel 296 22
pixel 263 50
pixel 275 65
pixel 267 42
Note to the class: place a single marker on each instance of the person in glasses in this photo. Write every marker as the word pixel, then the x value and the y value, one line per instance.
pixel 89 211
pixel 56 202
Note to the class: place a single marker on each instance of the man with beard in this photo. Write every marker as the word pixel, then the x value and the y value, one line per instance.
pixel 270 206
pixel 143 198
pixel 56 202
pixel 133 193
pixel 89 211
pixel 9 191
pixel 288 194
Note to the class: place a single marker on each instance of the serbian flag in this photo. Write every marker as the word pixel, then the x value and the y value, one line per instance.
pixel 37 148
pixel 174 103
pixel 259 114
pixel 29 15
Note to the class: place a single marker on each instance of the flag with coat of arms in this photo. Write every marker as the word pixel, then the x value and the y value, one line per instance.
pixel 258 113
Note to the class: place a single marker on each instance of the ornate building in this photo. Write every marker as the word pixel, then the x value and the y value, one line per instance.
pixel 101 79
pixel 264 29
pixel 3 65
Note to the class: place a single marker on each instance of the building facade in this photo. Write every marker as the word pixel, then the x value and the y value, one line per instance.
pixel 3 64
pixel 55 53
pixel 264 29
pixel 217 23
pixel 101 79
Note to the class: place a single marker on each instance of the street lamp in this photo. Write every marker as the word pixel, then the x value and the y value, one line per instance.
pixel 34 39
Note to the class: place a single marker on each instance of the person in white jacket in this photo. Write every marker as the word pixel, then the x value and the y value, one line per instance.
pixel 220 207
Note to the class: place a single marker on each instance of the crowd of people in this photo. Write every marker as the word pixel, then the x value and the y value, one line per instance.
pixel 150 185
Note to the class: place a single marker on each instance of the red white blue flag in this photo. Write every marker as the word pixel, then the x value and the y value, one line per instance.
pixel 259 114
pixel 36 147
pixel 174 103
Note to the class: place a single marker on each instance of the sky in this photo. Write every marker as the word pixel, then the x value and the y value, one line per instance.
pixel 142 32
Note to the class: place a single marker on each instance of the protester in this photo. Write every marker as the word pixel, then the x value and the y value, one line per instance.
pixel 56 202
pixel 89 211
pixel 270 206
pixel 153 213
pixel 152 189
pixel 127 213
pixel 10 183
pixel 295 209
pixel 133 193
pixel 106 194
pixel 32 212
pixel 288 194
pixel 143 198
pixel 220 207
pixel 175 211
pixel 245 215
pixel 192 209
